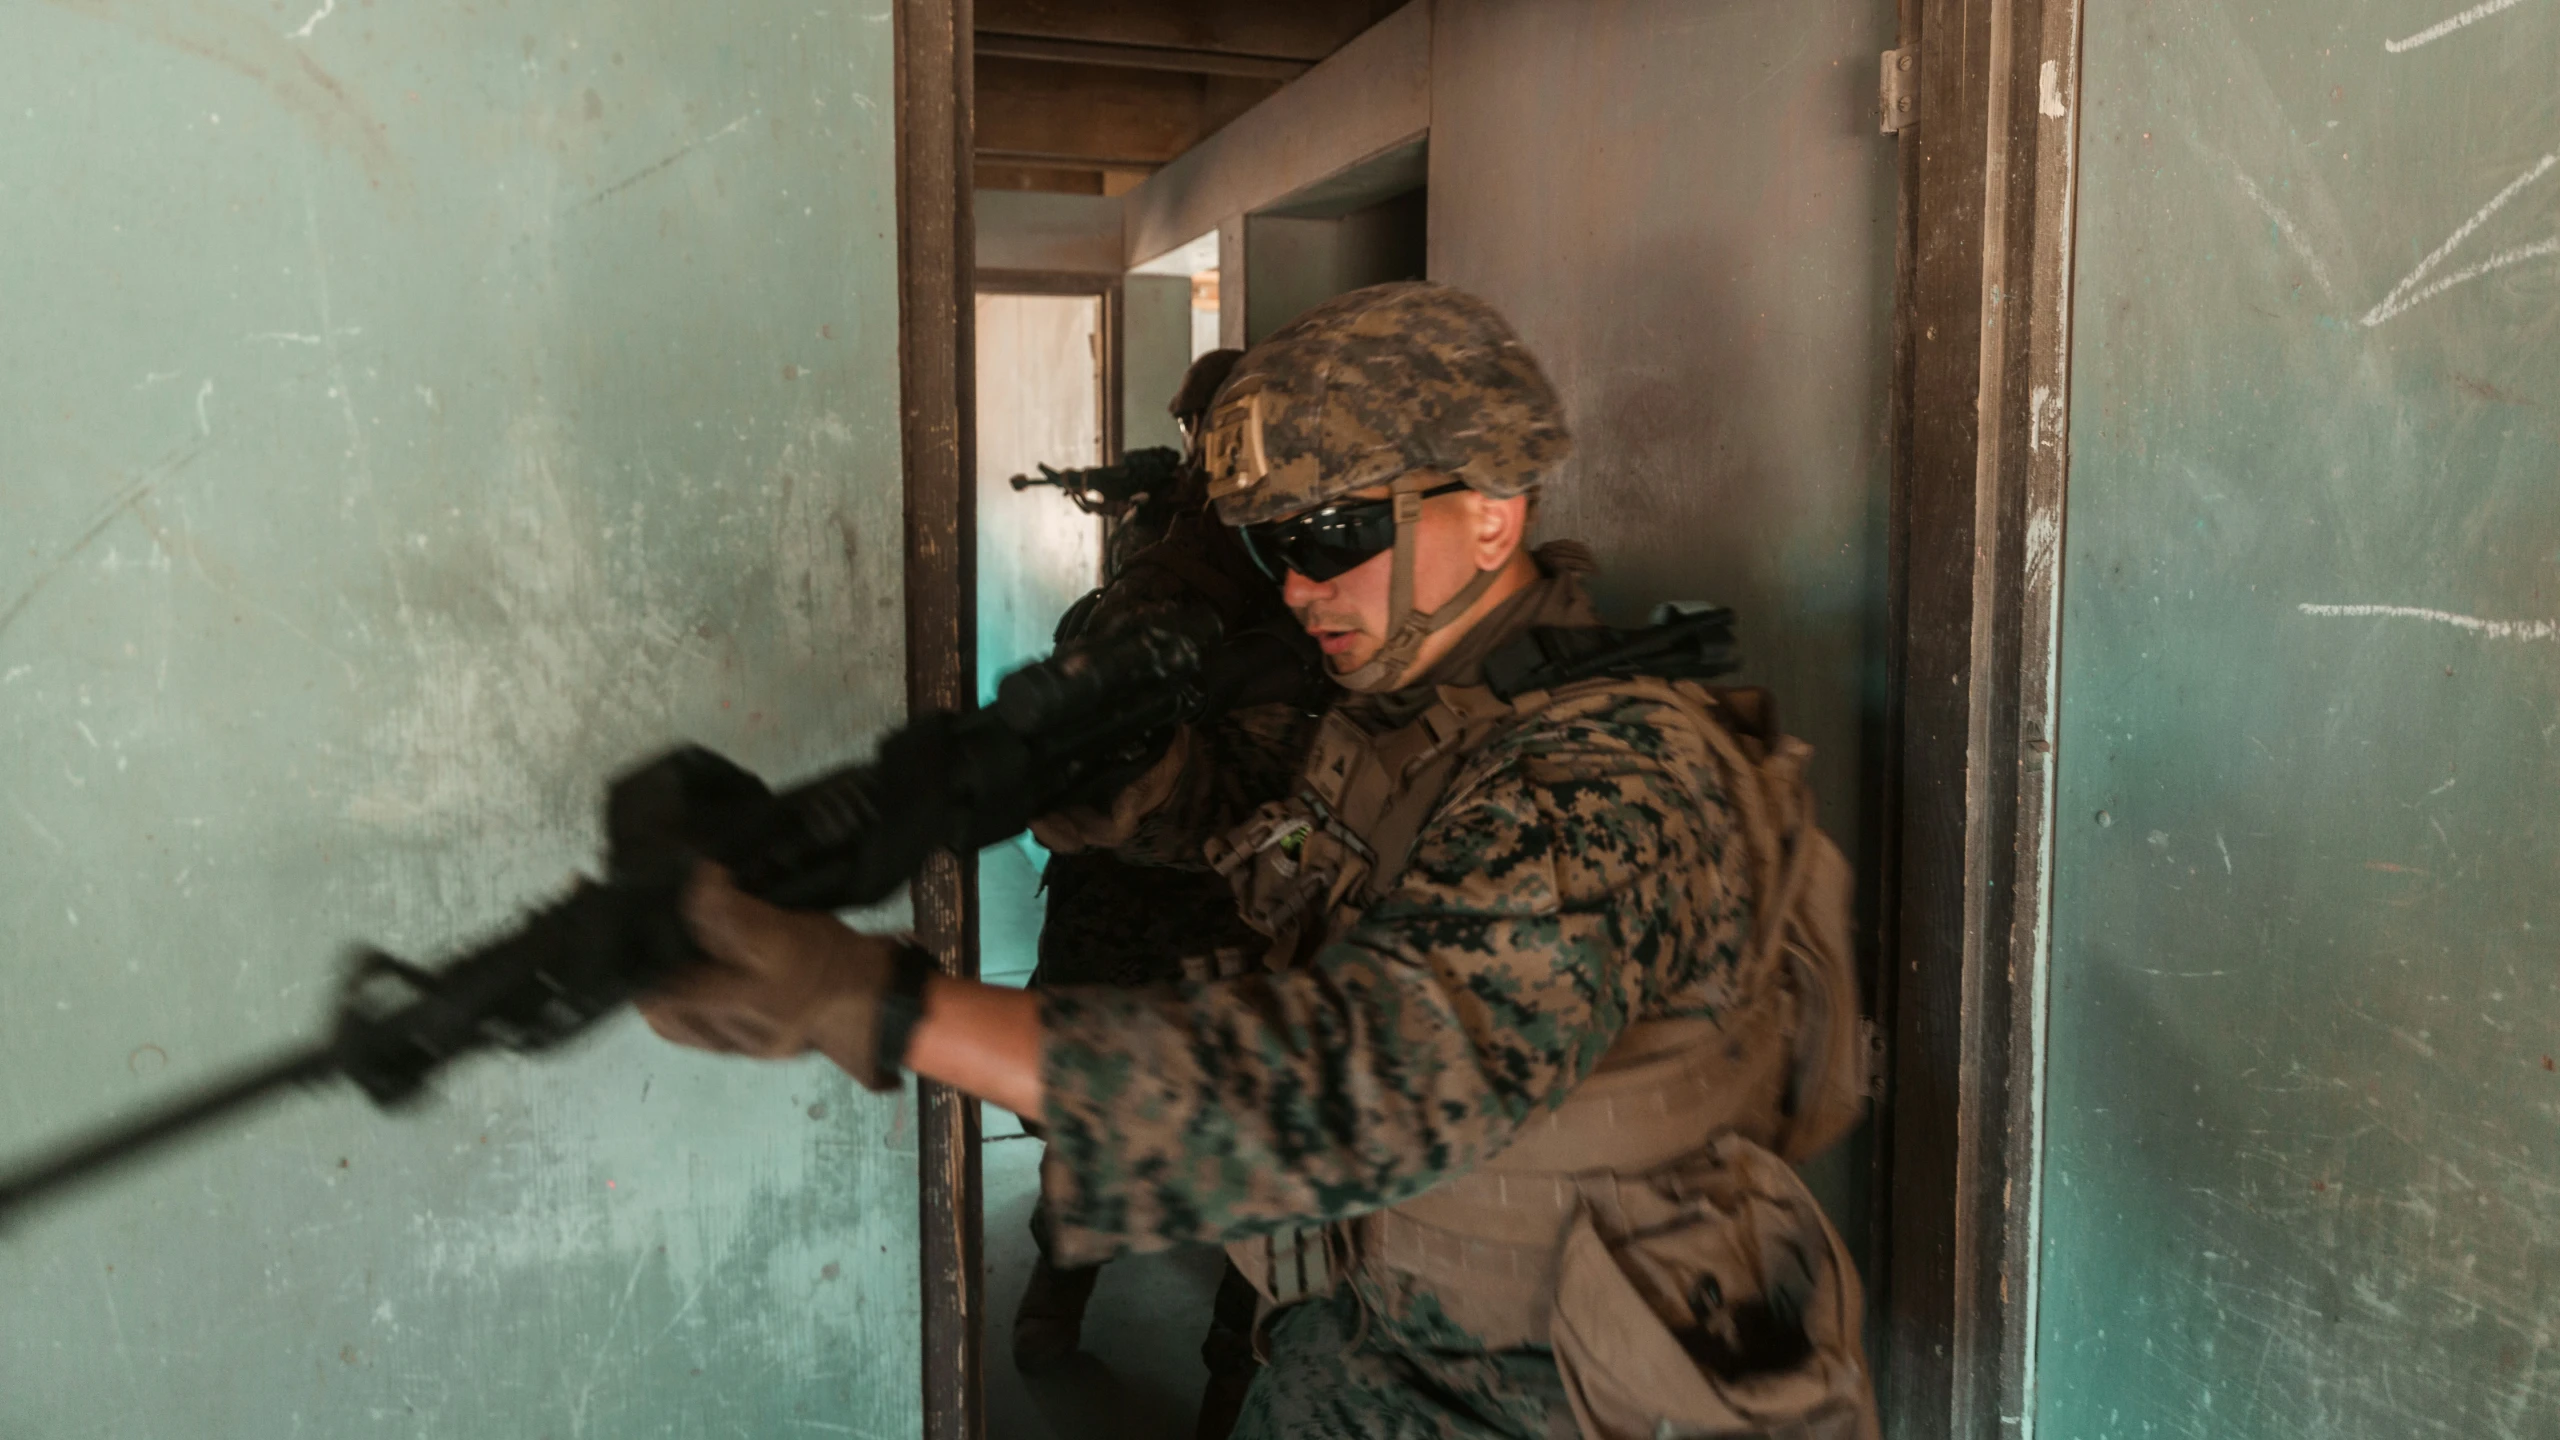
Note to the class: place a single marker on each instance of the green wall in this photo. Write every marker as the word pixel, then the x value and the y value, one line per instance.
pixel 2303 1165
pixel 411 414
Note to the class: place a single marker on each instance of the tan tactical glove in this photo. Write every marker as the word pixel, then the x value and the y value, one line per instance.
pixel 783 982
pixel 1086 827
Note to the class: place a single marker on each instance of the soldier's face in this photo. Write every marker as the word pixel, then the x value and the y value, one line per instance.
pixel 1457 535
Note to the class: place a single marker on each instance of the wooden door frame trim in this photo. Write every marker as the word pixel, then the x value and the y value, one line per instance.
pixel 1044 282
pixel 1982 351
pixel 936 372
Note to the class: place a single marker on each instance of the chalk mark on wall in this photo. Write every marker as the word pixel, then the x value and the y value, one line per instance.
pixel 2408 294
pixel 330 7
pixel 2447 26
pixel 2492 629
pixel 290 337
pixel 2288 228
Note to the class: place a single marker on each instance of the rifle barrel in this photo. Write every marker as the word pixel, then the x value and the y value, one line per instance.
pixel 94 1154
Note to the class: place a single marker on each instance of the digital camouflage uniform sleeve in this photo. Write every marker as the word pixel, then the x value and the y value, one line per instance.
pixel 1570 883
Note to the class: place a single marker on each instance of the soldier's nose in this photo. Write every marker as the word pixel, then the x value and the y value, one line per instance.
pixel 1297 590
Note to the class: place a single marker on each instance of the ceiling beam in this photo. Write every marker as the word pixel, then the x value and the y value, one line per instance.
pixel 1138 57
pixel 1305 30
pixel 1064 160
pixel 1089 116
pixel 1370 98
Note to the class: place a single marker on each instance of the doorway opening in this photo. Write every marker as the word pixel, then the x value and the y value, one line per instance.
pixel 1051 362
pixel 1042 386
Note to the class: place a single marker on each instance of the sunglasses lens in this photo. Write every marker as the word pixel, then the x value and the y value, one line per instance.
pixel 1332 541
pixel 1322 545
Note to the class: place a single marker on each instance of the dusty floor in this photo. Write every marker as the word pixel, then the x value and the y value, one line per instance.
pixel 1140 1375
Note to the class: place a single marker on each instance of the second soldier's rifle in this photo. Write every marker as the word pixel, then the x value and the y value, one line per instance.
pixel 1072 729
pixel 1110 490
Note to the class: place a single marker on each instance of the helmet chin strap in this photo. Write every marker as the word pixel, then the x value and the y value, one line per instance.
pixel 1409 627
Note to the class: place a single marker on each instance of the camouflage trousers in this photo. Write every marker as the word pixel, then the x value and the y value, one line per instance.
pixel 1332 1378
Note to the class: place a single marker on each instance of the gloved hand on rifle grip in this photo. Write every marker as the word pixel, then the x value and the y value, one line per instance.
pixel 779 983
pixel 1091 827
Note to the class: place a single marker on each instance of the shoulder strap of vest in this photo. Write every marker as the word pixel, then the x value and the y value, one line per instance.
pixel 1419 761
pixel 1686 642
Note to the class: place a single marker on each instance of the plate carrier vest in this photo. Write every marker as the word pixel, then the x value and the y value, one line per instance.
pixel 1648 1215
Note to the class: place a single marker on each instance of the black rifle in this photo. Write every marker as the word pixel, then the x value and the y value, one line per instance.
pixel 1071 729
pixel 1112 489
pixel 1687 640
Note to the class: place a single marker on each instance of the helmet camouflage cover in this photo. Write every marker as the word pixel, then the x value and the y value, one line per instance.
pixel 1375 385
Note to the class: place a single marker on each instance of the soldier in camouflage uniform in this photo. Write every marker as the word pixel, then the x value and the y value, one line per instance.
pixel 1515 1007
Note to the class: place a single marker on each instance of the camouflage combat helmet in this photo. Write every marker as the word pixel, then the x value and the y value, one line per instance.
pixel 1374 384
pixel 1405 385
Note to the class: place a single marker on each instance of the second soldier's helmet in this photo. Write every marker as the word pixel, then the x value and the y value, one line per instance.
pixel 1372 387
pixel 1200 386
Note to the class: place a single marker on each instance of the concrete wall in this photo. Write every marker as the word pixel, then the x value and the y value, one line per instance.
pixel 409 417
pixel 1155 350
pixel 1688 213
pixel 1295 262
pixel 1062 234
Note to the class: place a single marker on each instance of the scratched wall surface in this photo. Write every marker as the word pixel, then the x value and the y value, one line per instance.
pixel 2303 1144
pixel 1688 213
pixel 411 414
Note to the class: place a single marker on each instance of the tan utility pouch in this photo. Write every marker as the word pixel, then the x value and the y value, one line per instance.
pixel 1711 1301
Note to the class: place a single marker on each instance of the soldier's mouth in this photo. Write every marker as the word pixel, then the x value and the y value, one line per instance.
pixel 1331 635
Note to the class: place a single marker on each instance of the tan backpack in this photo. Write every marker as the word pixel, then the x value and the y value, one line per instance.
pixel 1712 1298
pixel 1804 900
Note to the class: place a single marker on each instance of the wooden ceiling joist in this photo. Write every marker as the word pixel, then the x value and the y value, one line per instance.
pixel 1089 96
pixel 1094 118
pixel 1307 30
pixel 1139 57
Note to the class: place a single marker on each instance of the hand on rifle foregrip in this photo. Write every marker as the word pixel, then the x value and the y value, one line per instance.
pixel 779 983
pixel 1090 827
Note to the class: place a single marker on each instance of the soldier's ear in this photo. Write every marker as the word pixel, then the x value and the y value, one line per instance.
pixel 1501 527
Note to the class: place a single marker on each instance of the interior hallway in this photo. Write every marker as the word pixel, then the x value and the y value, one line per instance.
pixel 1140 1374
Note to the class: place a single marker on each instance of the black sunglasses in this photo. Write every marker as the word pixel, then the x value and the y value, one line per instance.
pixel 1330 539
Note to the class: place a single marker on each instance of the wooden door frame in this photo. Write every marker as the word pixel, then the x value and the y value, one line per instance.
pixel 1980 447
pixel 1980 444
pixel 936 377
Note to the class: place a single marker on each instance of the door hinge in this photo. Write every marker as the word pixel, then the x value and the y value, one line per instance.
pixel 1898 94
